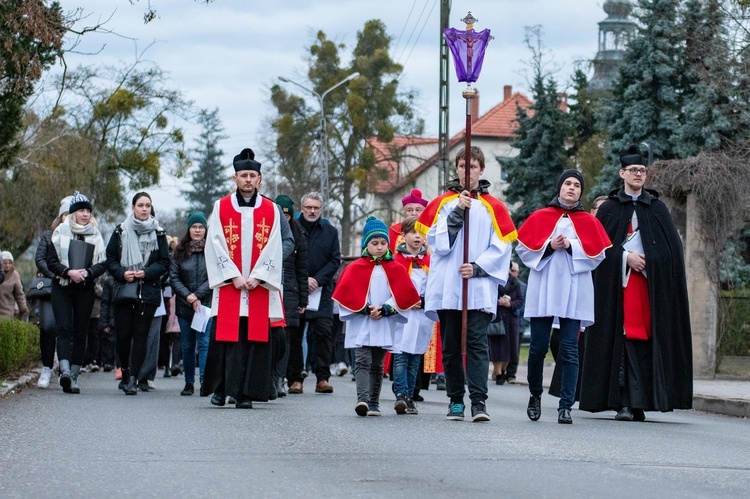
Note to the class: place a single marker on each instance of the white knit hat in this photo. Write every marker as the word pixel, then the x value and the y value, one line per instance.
pixel 64 206
pixel 7 255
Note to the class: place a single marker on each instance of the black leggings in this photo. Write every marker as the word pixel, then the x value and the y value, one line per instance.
pixel 132 323
pixel 72 305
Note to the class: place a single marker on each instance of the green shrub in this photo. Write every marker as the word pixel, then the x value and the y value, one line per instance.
pixel 19 344
pixel 734 327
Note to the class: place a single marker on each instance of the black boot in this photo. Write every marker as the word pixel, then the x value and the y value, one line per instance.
pixel 273 394
pixel 65 380
pixel 74 371
pixel 124 379
pixel 132 387
pixel 534 410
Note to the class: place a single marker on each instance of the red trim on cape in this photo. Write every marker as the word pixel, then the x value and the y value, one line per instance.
pixel 228 316
pixel 354 284
pixel 501 221
pixel 539 227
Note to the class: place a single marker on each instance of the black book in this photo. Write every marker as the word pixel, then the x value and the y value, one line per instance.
pixel 80 254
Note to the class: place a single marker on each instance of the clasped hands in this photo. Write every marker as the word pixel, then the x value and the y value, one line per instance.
pixel 245 283
pixel 132 275
pixel 560 242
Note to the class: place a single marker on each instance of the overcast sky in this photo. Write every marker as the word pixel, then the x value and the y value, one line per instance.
pixel 227 54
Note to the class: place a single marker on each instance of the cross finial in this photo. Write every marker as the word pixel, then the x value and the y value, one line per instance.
pixel 469 20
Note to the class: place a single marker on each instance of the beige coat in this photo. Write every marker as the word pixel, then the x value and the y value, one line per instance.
pixel 11 294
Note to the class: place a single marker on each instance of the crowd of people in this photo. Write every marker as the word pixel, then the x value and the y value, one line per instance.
pixel 254 297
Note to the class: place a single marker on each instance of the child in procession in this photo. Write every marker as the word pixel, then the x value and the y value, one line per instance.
pixel 373 294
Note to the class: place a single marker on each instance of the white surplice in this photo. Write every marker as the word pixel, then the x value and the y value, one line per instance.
pixel 268 268
pixel 360 329
pixel 486 249
pixel 414 336
pixel 561 284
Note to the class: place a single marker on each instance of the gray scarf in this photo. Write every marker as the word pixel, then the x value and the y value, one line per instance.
pixel 138 241
pixel 66 231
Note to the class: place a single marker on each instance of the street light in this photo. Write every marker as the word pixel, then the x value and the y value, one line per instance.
pixel 324 134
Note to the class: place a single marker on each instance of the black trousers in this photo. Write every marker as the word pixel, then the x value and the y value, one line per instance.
pixel 47 332
pixel 107 346
pixel 72 306
pixel 321 330
pixel 92 342
pixel 132 323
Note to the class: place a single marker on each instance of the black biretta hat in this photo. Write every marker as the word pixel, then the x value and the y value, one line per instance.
pixel 245 160
pixel 632 157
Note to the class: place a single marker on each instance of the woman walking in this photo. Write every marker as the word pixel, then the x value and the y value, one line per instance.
pixel 562 245
pixel 504 347
pixel 137 258
pixel 76 257
pixel 11 290
pixel 189 279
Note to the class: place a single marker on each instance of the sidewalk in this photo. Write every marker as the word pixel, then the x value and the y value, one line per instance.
pixel 723 395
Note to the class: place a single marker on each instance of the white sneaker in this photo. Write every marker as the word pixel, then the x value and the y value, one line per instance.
pixel 44 378
pixel 151 384
pixel 341 369
pixel 332 368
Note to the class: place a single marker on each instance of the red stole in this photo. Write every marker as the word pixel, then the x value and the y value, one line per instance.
pixel 501 221
pixel 636 306
pixel 354 284
pixel 228 317
pixel 539 227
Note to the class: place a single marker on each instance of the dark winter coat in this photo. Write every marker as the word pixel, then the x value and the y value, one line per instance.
pixel 671 340
pixel 107 312
pixel 57 268
pixel 324 259
pixel 186 277
pixel 41 255
pixel 295 276
pixel 156 267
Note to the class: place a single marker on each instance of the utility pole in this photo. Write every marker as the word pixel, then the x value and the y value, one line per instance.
pixel 443 137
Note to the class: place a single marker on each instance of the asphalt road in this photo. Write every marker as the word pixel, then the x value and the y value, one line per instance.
pixel 160 444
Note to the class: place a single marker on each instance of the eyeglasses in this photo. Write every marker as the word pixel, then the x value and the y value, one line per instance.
pixel 636 171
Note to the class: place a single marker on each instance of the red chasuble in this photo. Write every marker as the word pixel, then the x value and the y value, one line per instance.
pixel 395 237
pixel 539 227
pixel 354 284
pixel 501 221
pixel 228 317
pixel 636 306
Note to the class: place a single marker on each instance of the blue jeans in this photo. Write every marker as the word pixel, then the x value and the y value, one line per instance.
pixel 541 327
pixel 405 372
pixel 189 338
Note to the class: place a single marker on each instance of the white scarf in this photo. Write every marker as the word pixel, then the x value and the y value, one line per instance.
pixel 138 241
pixel 69 229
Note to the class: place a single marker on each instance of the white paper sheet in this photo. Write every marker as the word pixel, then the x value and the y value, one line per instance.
pixel 201 318
pixel 313 301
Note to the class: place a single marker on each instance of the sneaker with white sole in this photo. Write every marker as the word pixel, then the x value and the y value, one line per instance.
pixel 455 411
pixel 44 378
pixel 341 369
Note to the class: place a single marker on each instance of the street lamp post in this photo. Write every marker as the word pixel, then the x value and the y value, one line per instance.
pixel 324 132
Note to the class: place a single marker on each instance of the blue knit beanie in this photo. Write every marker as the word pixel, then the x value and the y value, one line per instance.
pixel 197 217
pixel 373 228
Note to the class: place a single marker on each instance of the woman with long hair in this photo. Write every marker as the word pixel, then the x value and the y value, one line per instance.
pixel 137 258
pixel 189 279
pixel 76 267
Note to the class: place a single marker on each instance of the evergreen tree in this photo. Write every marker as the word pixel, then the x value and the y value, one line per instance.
pixel 542 131
pixel 708 109
pixel 646 98
pixel 209 176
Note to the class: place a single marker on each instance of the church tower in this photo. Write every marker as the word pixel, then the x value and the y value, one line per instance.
pixel 614 34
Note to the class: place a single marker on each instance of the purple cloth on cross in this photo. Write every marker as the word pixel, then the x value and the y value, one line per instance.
pixel 468 49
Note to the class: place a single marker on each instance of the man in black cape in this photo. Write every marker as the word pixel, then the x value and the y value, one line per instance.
pixel 638 354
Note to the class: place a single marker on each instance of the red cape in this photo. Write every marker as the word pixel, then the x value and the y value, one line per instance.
pixel 354 284
pixel 538 228
pixel 501 221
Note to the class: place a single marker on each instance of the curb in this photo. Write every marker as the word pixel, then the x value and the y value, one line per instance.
pixel 731 407
pixel 15 385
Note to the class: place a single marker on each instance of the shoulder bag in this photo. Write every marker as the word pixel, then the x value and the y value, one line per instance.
pixel 40 288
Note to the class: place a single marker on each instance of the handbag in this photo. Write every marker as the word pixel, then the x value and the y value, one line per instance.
pixel 127 292
pixel 40 288
pixel 496 328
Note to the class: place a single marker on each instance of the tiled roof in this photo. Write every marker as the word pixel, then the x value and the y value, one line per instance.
pixel 499 122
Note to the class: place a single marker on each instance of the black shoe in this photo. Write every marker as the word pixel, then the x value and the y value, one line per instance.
pixel 417 398
pixel 624 414
pixel 143 386
pixel 273 394
pixel 479 412
pixel 400 405
pixel 244 404
pixel 219 399
pixel 188 390
pixel 639 415
pixel 563 416
pixel 107 368
pixel 231 400
pixel 411 407
pixel 66 382
pixel 167 374
pixel 499 379
pixel 440 383
pixel 534 410
pixel 132 387
pixel 176 371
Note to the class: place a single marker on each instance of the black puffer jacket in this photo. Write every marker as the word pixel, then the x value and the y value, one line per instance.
pixel 156 267
pixel 186 277
pixel 41 255
pixel 295 276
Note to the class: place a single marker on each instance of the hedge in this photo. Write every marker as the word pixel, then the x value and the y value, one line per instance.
pixel 19 344
pixel 734 329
